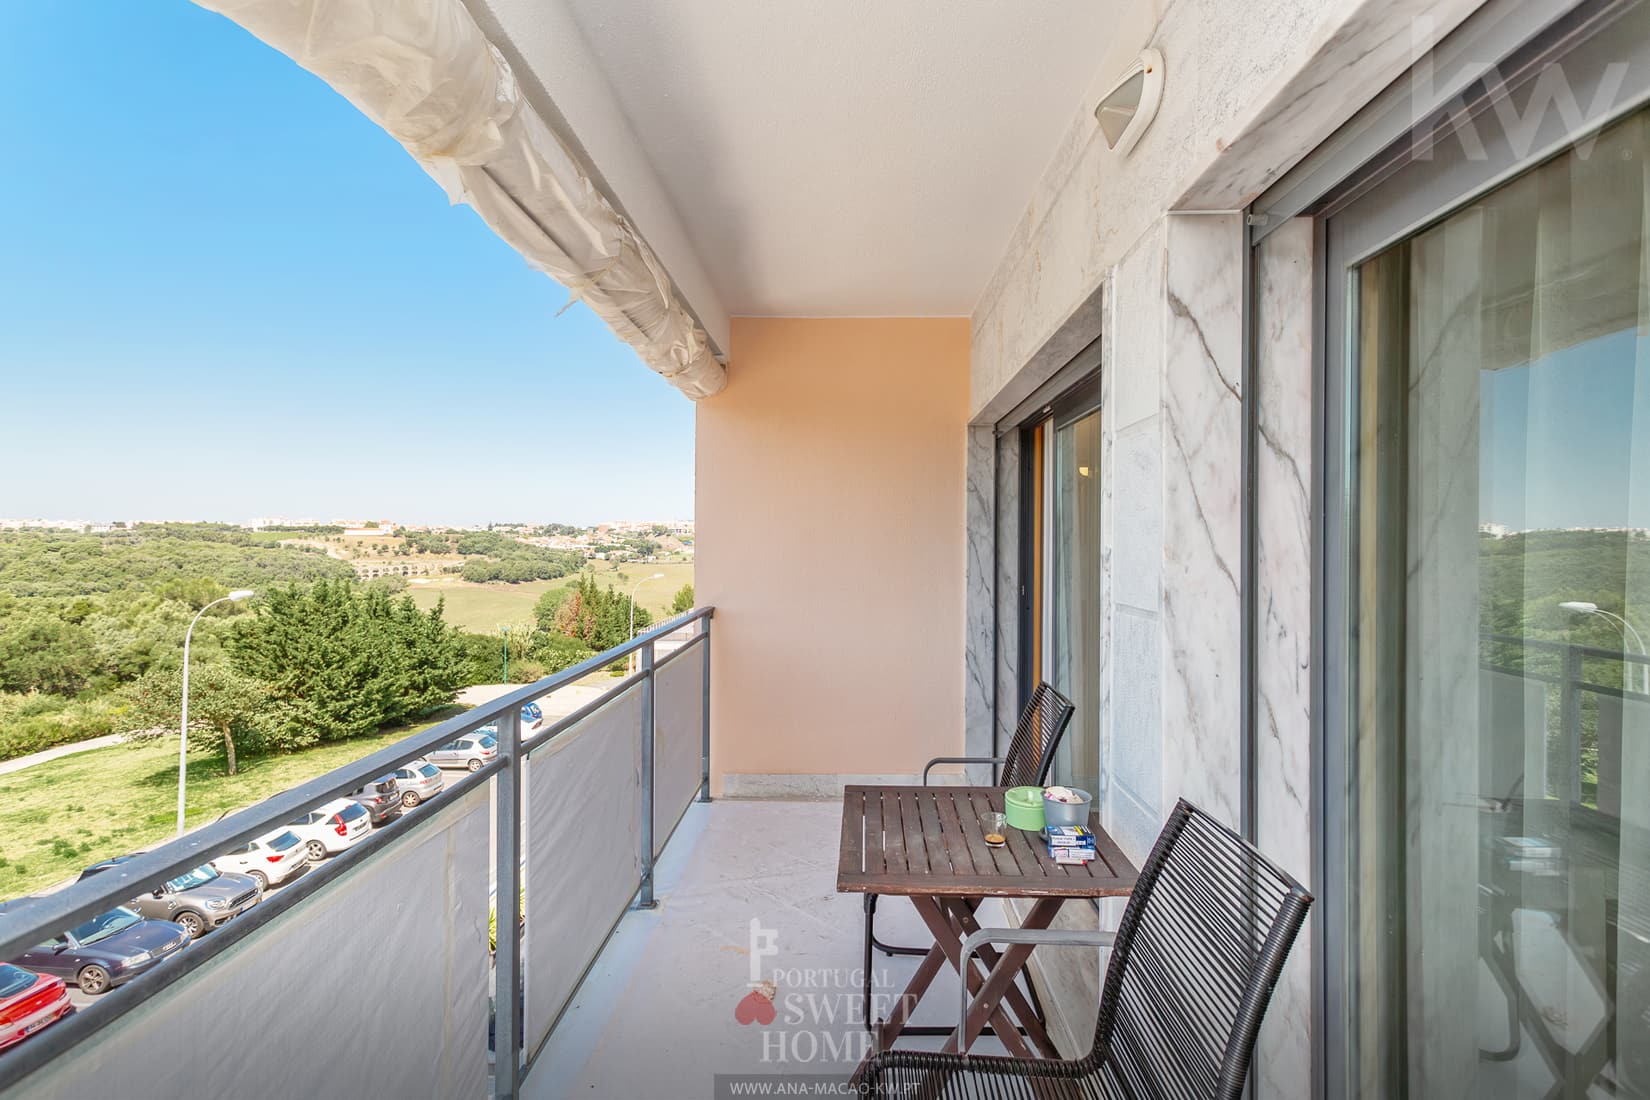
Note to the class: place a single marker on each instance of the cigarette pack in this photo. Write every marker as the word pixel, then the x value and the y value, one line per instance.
pixel 1069 836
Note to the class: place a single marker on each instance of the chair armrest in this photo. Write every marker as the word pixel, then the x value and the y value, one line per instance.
pixel 960 760
pixel 1050 937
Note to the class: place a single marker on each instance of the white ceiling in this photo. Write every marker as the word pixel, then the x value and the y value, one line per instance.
pixel 837 158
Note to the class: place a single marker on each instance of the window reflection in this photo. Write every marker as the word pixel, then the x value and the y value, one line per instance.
pixel 1502 717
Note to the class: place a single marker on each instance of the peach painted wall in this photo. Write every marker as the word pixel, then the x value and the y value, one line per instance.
pixel 830 538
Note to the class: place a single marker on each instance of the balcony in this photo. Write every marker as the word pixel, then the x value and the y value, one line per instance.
pixel 650 916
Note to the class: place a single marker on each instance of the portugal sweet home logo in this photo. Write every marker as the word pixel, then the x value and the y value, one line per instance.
pixel 756 1007
pixel 818 1019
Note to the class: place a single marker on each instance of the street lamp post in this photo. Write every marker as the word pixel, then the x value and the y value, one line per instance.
pixel 1587 607
pixel 633 591
pixel 183 727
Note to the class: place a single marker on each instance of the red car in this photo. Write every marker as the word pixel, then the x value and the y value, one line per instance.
pixel 28 1002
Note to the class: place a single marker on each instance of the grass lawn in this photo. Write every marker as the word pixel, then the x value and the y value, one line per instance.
pixel 482 607
pixel 65 814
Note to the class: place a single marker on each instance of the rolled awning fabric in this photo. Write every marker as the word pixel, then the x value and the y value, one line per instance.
pixel 423 70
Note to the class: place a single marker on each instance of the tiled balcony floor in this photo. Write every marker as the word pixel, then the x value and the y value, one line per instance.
pixel 655 1016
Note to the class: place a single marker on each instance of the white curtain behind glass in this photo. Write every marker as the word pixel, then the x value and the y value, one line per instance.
pixel 1529 420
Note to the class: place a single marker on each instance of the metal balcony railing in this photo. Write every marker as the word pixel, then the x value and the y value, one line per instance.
pixel 370 974
pixel 1561 668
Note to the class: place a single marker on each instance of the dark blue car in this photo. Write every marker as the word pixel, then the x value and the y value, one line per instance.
pixel 109 949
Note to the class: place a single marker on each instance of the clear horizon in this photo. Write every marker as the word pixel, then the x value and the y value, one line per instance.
pixel 230 295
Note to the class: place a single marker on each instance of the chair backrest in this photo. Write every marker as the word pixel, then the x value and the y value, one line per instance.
pixel 1198 952
pixel 1031 752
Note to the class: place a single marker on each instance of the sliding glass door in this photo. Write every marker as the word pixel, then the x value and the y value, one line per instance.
pixel 1063 563
pixel 1489 756
pixel 1074 596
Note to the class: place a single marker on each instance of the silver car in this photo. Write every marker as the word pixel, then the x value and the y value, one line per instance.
pixel 418 780
pixel 475 750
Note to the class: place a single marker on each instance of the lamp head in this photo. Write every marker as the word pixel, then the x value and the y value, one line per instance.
pixel 1580 607
pixel 241 594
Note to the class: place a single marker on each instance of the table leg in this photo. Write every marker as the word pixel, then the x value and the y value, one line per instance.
pixel 888 1030
pixel 1017 1001
pixel 985 1003
pixel 947 940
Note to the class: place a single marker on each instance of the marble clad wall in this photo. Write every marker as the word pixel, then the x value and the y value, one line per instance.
pixel 1132 541
pixel 1283 754
pixel 1171 442
pixel 1202 449
pixel 978 674
pixel 1008 580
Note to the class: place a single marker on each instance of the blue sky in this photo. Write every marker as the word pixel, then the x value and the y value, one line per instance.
pixel 1556 439
pixel 224 293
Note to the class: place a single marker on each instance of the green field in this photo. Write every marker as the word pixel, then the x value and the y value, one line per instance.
pixel 483 607
pixel 60 816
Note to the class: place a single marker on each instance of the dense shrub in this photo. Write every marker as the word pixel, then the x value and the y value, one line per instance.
pixel 339 660
pixel 32 723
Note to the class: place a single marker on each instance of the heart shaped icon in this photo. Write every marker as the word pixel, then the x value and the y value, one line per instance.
pixel 754 1008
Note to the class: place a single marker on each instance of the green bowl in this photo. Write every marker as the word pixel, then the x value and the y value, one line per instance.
pixel 1023 806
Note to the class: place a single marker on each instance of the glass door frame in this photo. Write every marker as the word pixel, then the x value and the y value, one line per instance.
pixel 1396 195
pixel 1036 518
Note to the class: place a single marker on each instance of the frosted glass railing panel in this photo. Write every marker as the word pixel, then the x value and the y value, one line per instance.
pixel 375 986
pixel 582 823
pixel 678 720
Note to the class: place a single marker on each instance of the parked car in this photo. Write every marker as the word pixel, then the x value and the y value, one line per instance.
pixel 418 780
pixel 335 827
pixel 381 798
pixel 109 949
pixel 29 1002
pixel 532 717
pixel 199 900
pixel 474 751
pixel 269 860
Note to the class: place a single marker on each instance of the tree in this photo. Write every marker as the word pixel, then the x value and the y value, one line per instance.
pixel 557 651
pixel 228 712
pixel 39 652
pixel 682 602
pixel 548 607
pixel 197 592
pixel 482 658
pixel 342 660
pixel 598 617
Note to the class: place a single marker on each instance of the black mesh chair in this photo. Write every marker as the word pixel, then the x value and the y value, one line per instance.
pixel 1031 750
pixel 1030 755
pixel 1193 965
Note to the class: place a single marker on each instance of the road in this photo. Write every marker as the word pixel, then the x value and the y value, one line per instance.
pixel 17 764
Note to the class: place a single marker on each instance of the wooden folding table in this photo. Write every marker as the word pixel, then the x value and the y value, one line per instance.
pixel 928 844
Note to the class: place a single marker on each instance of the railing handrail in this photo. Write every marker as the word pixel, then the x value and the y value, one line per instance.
pixel 1584 650
pixel 24 921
